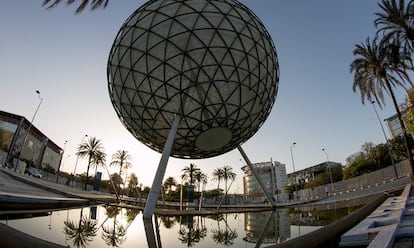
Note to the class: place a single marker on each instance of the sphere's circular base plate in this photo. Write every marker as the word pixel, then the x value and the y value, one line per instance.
pixel 213 138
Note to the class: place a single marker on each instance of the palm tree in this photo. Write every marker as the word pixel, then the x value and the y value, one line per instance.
pixel 92 149
pixel 122 159
pixel 218 176
pixel 95 4
pixel 189 173
pixel 98 161
pixel 169 183
pixel 200 177
pixel 228 174
pixel 376 71
pixel 396 22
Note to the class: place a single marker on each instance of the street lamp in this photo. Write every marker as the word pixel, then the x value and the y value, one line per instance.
pixel 293 163
pixel 77 159
pixel 329 167
pixel 386 140
pixel 28 130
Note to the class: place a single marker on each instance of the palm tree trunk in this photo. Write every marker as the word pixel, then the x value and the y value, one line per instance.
pixel 120 175
pixel 87 172
pixel 218 190
pixel 225 191
pixel 403 129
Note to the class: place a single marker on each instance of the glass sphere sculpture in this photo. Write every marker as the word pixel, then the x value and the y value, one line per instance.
pixel 211 62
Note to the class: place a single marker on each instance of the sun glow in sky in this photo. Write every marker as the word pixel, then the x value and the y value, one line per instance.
pixel 64 56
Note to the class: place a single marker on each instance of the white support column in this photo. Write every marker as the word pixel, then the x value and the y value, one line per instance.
pixel 159 175
pixel 269 198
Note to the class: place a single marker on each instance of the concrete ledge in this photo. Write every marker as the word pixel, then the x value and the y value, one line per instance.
pixel 26 202
pixel 385 237
pixel 381 227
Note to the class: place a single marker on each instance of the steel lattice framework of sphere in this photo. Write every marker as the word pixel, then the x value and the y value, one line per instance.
pixel 211 62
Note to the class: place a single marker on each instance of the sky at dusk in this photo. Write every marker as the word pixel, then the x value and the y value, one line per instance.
pixel 64 55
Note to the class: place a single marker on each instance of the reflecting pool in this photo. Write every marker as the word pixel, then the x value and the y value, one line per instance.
pixel 104 225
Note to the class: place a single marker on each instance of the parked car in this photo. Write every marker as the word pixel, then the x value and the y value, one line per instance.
pixel 34 172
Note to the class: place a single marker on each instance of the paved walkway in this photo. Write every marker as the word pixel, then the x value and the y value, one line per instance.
pixel 19 192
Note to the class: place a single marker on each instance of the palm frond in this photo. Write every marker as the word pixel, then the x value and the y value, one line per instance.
pixel 94 4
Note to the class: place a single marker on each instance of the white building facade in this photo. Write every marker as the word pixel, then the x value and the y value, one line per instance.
pixel 274 178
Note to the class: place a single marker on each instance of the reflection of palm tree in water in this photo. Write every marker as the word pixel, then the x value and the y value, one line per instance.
pixel 168 221
pixel 224 237
pixel 114 235
pixel 190 235
pixel 131 214
pixel 80 233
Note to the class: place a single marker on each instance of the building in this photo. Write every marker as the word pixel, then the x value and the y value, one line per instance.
pixel 406 110
pixel 301 177
pixel 272 175
pixel 19 139
pixel 394 125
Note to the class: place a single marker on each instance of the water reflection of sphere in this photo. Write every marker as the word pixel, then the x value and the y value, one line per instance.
pixel 211 62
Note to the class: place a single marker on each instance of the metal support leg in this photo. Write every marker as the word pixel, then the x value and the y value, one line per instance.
pixel 159 175
pixel 149 233
pixel 268 197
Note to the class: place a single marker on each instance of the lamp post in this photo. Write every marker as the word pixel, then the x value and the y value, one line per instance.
pixel 386 140
pixel 329 167
pixel 28 130
pixel 77 159
pixel 293 164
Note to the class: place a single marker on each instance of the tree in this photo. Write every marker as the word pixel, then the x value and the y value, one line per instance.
pixel 98 161
pixel 117 180
pixel 325 177
pixel 95 4
pixel 189 173
pixel 375 71
pixel 396 22
pixel 218 176
pixel 169 183
pixel 200 177
pixel 373 157
pixel 408 116
pixel 133 185
pixel 122 159
pixel 92 149
pixel 228 174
